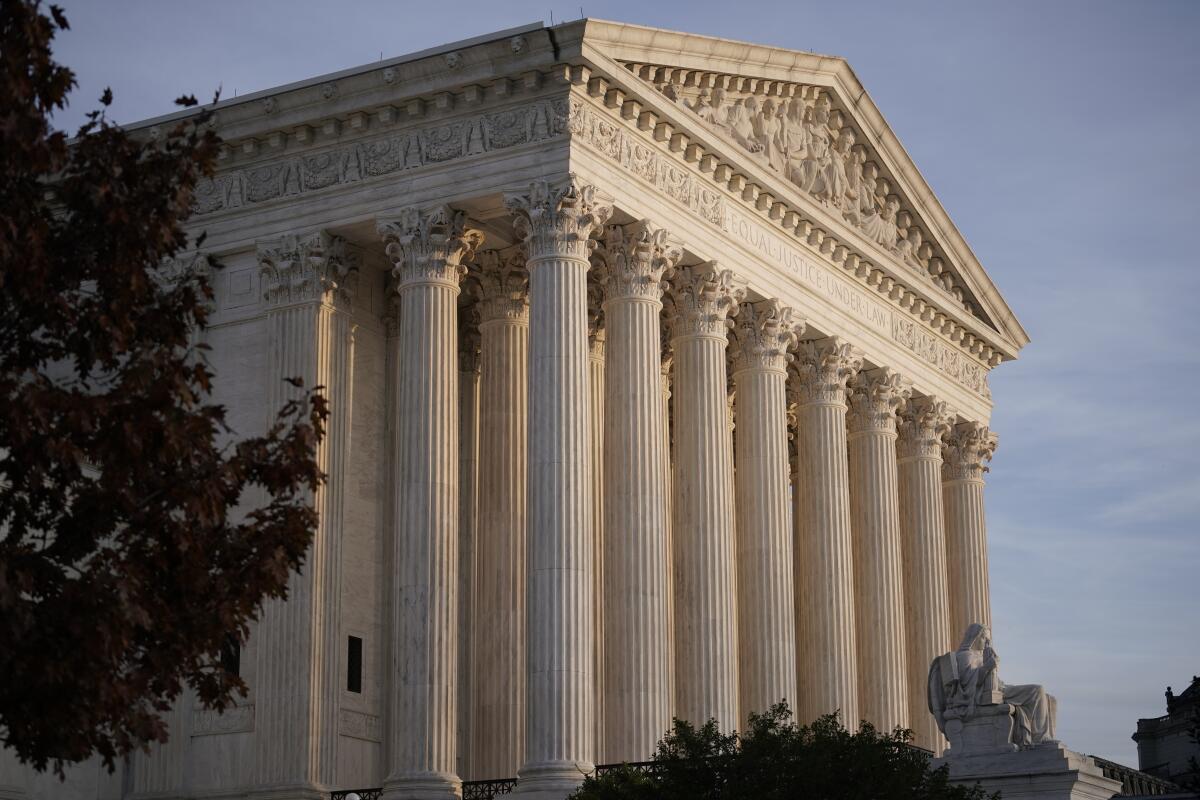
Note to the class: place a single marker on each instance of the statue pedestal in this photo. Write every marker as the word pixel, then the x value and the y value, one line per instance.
pixel 1044 772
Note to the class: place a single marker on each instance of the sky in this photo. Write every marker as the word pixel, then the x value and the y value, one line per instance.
pixel 1061 138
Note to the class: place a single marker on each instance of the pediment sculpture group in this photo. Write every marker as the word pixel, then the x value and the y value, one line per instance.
pixel 809 145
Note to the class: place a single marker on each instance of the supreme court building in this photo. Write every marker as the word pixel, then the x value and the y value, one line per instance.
pixel 658 388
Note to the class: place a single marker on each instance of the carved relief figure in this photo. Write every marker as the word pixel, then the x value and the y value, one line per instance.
pixel 834 188
pixel 794 140
pixel 768 131
pixel 964 686
pixel 881 227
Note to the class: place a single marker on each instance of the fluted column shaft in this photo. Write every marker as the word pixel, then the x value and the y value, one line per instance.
pixel 703 529
pixel 875 526
pixel 968 448
pixel 499 733
pixel 825 619
pixel 309 283
pixel 555 221
pixel 766 613
pixel 427 248
pixel 925 421
pixel 637 675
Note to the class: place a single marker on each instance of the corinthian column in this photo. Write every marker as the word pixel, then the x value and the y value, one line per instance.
pixel 924 422
pixel 499 734
pixel 427 248
pixel 826 652
pixel 706 666
pixel 309 284
pixel 765 331
pixel 875 522
pixel 555 221
pixel 637 675
pixel 968 448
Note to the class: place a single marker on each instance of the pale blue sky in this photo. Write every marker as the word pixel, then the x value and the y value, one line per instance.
pixel 1061 137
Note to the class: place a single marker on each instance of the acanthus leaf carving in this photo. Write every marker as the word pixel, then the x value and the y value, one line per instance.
pixel 558 218
pixel 308 268
pixel 633 261
pixel 876 397
pixel 822 370
pixel 925 422
pixel 501 285
pixel 429 245
pixel 702 301
pixel 968 448
pixel 764 335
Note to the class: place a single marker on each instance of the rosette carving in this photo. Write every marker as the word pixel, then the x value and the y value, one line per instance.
pixel 703 298
pixel 633 261
pixel 968 448
pixel 822 369
pixel 501 285
pixel 557 219
pixel 313 267
pixel 764 334
pixel 429 245
pixel 924 424
pixel 876 397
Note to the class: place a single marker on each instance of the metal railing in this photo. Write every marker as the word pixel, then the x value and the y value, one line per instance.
pixel 487 790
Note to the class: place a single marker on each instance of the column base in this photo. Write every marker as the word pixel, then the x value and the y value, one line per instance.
pixel 551 780
pixel 1044 772
pixel 422 786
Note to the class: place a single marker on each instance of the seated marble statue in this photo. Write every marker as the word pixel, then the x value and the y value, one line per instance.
pixel 964 686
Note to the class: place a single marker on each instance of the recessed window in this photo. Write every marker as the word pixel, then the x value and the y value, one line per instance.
pixel 231 655
pixel 354 665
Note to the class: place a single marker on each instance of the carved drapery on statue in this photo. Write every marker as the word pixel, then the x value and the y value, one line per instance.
pixel 976 711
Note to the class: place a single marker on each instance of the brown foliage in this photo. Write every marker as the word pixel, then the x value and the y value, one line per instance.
pixel 125 560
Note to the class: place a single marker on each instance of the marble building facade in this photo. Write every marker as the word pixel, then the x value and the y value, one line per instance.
pixel 658 387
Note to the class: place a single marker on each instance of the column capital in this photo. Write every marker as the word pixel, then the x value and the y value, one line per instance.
pixel 633 260
pixel 822 369
pixel 924 424
pixel 501 285
pixel 764 333
pixel 876 396
pixel 308 268
pixel 429 245
pixel 968 448
pixel 702 300
pixel 557 218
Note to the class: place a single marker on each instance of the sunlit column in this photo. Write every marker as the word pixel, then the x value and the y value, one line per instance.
pixel 875 398
pixel 706 674
pixel 968 449
pixel 826 654
pixel 499 733
pixel 764 333
pixel 633 260
pixel 427 247
pixel 309 284
pixel 555 221
pixel 924 423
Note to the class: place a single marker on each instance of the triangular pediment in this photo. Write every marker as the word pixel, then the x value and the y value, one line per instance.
pixel 806 122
